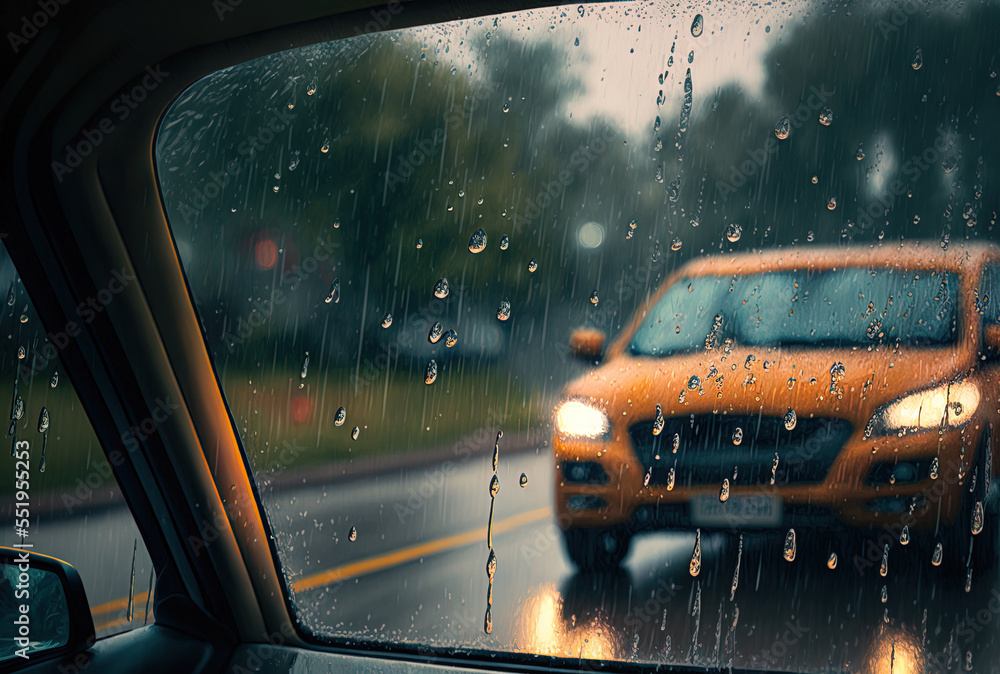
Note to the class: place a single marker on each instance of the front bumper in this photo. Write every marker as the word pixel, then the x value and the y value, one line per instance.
pixel 845 498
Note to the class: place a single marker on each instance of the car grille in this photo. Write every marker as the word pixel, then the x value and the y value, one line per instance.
pixel 706 453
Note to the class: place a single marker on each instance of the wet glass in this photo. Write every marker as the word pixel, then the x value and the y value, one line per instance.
pixel 648 333
pixel 779 308
pixel 60 495
pixel 47 613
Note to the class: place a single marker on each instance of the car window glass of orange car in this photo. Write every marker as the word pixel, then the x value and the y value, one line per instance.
pixel 59 491
pixel 391 239
pixel 988 294
pixel 852 306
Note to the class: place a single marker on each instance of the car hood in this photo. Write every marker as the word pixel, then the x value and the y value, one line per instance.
pixel 841 383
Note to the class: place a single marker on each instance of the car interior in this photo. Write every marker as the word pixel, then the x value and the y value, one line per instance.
pixel 197 541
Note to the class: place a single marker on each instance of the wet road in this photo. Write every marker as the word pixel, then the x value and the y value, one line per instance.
pixel 99 546
pixel 417 572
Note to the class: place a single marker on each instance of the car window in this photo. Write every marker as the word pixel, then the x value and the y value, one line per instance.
pixel 845 307
pixel 60 495
pixel 989 301
pixel 411 252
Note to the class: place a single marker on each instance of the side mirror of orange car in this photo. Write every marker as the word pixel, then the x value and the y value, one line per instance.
pixel 991 339
pixel 587 344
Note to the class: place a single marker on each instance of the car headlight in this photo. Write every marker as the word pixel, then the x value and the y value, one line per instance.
pixel 578 419
pixel 947 406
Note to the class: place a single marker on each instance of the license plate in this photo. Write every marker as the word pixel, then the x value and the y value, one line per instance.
pixel 750 510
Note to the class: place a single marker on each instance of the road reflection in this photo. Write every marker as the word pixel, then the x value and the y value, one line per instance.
pixel 895 651
pixel 798 616
pixel 549 630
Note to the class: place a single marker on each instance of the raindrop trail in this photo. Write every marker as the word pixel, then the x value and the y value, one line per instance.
pixel 361 331
pixel 491 562
pixel 131 584
pixel 43 428
pixel 149 595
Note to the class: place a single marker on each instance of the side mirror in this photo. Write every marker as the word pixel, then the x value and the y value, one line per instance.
pixel 43 609
pixel 991 340
pixel 587 344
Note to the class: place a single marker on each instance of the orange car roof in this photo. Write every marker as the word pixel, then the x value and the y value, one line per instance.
pixel 906 255
pixel 903 255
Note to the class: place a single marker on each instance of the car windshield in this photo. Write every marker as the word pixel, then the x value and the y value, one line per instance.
pixel 411 248
pixel 852 306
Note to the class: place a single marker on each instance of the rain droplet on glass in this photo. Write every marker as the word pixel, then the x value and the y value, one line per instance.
pixel 782 128
pixel 477 242
pixel 503 310
pixel 695 566
pixel 437 330
pixel 788 553
pixel 334 295
pixel 658 422
pixel 790 419
pixel 698 25
pixel 441 288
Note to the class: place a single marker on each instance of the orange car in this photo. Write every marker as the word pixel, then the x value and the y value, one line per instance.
pixel 794 391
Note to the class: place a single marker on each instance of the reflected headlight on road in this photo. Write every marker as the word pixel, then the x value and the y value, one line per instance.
pixel 580 420
pixel 944 407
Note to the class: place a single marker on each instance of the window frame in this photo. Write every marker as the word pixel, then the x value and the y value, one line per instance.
pixel 70 230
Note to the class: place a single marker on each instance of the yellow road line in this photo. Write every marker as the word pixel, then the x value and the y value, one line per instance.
pixel 118 604
pixel 365 566
pixel 377 563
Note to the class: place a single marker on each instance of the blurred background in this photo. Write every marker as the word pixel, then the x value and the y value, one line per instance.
pixel 320 197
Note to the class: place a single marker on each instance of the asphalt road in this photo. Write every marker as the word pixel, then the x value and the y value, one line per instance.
pixel 417 573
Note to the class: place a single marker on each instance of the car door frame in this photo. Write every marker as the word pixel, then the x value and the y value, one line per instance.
pixel 74 232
